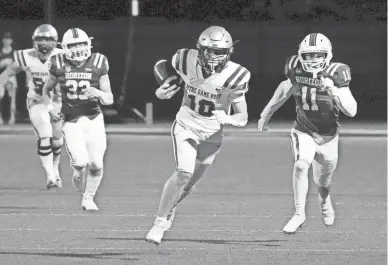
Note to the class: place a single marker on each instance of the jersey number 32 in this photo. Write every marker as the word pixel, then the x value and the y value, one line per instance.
pixel 75 89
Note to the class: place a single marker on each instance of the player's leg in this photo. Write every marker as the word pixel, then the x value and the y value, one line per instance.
pixel 96 145
pixel 75 144
pixel 206 154
pixel 12 93
pixel 57 144
pixel 324 166
pixel 40 121
pixel 304 149
pixel 185 153
pixel 2 92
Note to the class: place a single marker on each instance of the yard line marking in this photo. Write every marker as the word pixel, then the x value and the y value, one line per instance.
pixel 94 215
pixel 358 231
pixel 192 249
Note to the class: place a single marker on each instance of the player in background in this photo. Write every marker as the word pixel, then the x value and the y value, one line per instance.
pixel 214 84
pixel 84 82
pixel 35 62
pixel 6 59
pixel 321 90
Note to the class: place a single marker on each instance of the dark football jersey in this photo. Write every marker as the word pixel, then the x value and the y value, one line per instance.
pixel 317 112
pixel 6 59
pixel 73 79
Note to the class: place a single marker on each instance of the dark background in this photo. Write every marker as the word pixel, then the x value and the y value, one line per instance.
pixel 269 31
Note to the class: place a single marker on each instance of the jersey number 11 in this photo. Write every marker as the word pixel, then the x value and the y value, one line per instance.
pixel 312 105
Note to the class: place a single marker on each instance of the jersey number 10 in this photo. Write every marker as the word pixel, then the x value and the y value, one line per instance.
pixel 75 89
pixel 312 105
pixel 205 107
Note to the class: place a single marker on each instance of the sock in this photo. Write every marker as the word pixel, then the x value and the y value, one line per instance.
pixel 92 184
pixel 57 149
pixel 300 186
pixel 171 193
pixel 46 157
pixel 323 192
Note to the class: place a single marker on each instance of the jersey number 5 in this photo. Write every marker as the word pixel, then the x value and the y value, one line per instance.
pixel 312 105
pixel 205 107
pixel 75 89
pixel 38 84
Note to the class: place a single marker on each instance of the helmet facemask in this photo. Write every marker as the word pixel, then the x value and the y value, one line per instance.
pixel 213 59
pixel 314 61
pixel 79 51
pixel 44 45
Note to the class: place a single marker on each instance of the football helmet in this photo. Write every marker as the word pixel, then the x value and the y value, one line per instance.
pixel 45 39
pixel 76 44
pixel 315 52
pixel 215 45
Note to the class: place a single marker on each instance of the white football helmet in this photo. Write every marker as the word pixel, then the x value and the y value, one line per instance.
pixel 76 44
pixel 315 52
pixel 215 45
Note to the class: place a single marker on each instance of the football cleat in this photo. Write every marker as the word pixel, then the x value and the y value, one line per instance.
pixel 52 183
pixel 58 182
pixel 88 204
pixel 156 233
pixel 327 210
pixel 294 224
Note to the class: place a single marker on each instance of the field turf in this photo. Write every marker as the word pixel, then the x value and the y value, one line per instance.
pixel 235 216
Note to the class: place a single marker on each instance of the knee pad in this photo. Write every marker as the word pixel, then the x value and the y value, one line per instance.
pixel 183 177
pixel 301 166
pixel 44 147
pixel 56 145
pixel 95 172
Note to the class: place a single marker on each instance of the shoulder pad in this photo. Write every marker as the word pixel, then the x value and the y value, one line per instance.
pixel 100 62
pixel 237 77
pixel 339 73
pixel 179 61
pixel 291 62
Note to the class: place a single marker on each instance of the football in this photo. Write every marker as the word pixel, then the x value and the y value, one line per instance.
pixel 165 73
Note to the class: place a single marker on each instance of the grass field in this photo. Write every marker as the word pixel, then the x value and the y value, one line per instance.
pixel 235 216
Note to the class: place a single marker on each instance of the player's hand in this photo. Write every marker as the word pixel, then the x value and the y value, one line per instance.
pixel 91 92
pixel 166 91
pixel 262 125
pixel 221 117
pixel 55 116
pixel 328 85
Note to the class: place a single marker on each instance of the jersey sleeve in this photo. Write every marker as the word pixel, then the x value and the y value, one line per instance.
pixel 291 62
pixel 240 86
pixel 19 58
pixel 179 61
pixel 340 74
pixel 100 61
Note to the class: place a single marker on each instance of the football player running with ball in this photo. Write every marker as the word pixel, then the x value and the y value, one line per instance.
pixel 213 84
pixel 321 90
pixel 36 62
pixel 84 81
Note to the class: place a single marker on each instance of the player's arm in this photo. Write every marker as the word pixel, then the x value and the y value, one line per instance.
pixel 338 88
pixel 50 84
pixel 239 105
pixel 282 93
pixel 11 70
pixel 104 94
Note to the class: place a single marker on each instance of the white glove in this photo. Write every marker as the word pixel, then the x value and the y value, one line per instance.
pixel 166 91
pixel 222 117
pixel 329 86
pixel 262 125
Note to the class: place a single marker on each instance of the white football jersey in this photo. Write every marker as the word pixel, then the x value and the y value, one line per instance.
pixel 203 95
pixel 38 72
